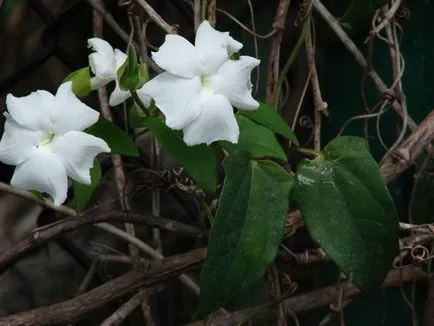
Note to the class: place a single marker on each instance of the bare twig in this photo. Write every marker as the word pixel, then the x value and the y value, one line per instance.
pixel 126 309
pixel 64 210
pixel 274 58
pixel 116 158
pixel 212 6
pixel 196 9
pixel 71 310
pixel 156 18
pixel 317 98
pixel 44 234
pixel 408 151
pixel 253 33
pixel 187 281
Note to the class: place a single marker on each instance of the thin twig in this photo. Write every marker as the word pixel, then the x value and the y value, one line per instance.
pixel 116 158
pixel 212 6
pixel 197 17
pixel 156 18
pixel 317 98
pixel 274 57
pixel 253 33
pixel 46 233
pixel 126 309
pixel 71 310
pixel 187 281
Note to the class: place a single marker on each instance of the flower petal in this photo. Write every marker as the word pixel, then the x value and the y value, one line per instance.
pixel 31 111
pixel 178 56
pixel 233 81
pixel 98 82
pixel 77 151
pixel 102 62
pixel 214 47
pixel 178 98
pixel 17 143
pixel 144 97
pixel 120 58
pixel 216 122
pixel 69 113
pixel 118 96
pixel 44 172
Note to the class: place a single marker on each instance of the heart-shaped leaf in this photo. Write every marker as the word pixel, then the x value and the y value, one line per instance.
pixel 256 139
pixel 247 229
pixel 348 210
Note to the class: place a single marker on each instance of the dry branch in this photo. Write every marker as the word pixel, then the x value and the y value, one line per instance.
pixel 42 235
pixel 71 310
pixel 311 300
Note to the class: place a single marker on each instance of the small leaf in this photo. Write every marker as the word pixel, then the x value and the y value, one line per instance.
pixel 83 193
pixel 268 117
pixel 258 140
pixel 348 210
pixel 128 73
pixel 117 139
pixel 247 229
pixel 359 10
pixel 199 161
pixel 80 81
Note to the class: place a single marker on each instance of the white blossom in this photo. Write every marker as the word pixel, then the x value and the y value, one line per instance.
pixel 104 63
pixel 201 84
pixel 43 136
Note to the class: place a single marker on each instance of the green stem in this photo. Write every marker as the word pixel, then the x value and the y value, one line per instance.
pixel 139 102
pixel 204 8
pixel 291 59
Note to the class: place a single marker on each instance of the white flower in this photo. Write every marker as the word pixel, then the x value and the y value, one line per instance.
pixel 200 85
pixel 43 137
pixel 104 63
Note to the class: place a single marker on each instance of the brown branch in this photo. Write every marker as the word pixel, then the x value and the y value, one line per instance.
pixel 156 18
pixel 127 308
pixel 71 310
pixel 212 7
pixel 311 300
pixel 408 151
pixel 274 59
pixel 44 234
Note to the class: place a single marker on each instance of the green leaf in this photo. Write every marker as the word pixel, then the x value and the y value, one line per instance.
pixel 128 73
pixel 247 229
pixel 268 117
pixel 348 210
pixel 199 161
pixel 117 139
pixel 258 140
pixel 359 10
pixel 80 81
pixel 83 193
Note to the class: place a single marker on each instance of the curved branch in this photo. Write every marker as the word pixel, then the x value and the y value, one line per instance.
pixel 71 310
pixel 44 234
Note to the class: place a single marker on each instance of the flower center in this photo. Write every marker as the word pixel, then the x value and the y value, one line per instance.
pixel 205 81
pixel 47 139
